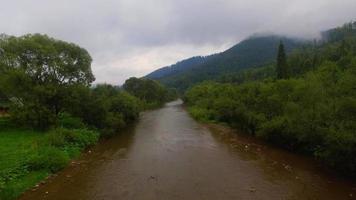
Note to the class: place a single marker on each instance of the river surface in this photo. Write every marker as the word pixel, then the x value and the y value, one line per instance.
pixel 167 156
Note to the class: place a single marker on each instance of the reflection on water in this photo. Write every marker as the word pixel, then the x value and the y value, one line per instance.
pixel 167 155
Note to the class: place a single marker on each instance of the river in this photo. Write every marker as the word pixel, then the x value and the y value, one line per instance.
pixel 167 156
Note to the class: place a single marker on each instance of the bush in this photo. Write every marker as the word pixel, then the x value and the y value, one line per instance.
pixel 48 158
pixel 58 146
pixel 32 115
pixel 70 122
pixel 200 114
pixel 83 138
pixel 314 114
pixel 77 137
pixel 339 151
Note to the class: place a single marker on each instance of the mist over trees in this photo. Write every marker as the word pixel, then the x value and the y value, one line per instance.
pixel 313 111
pixel 253 52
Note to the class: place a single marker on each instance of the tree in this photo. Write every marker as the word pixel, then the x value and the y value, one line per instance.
pixel 149 91
pixel 37 72
pixel 282 67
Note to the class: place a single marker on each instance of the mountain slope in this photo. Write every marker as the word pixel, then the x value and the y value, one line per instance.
pixel 177 68
pixel 252 52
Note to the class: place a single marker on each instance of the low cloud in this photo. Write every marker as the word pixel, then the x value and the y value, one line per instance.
pixel 133 37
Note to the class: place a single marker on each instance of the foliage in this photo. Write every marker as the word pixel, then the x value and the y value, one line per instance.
pixel 282 68
pixel 150 92
pixel 80 138
pixel 36 72
pixel 48 158
pixel 115 108
pixel 45 83
pixel 30 156
pixel 255 51
pixel 70 122
pixel 313 112
pixel 248 75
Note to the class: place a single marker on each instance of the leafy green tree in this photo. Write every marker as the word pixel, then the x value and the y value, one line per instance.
pixel 37 72
pixel 117 108
pixel 282 67
pixel 151 92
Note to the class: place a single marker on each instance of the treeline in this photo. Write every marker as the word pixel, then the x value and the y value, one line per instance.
pixel 46 86
pixel 151 93
pixel 48 81
pixel 312 109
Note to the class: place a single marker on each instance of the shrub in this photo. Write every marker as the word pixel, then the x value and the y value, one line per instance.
pixel 32 115
pixel 113 122
pixel 70 122
pixel 201 114
pixel 48 158
pixel 77 137
pixel 339 151
pixel 314 114
pixel 83 137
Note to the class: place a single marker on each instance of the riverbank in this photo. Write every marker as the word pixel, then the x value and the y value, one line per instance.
pixel 282 113
pixel 261 148
pixel 167 155
pixel 28 156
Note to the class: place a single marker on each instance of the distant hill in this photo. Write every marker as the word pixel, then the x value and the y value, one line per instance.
pixel 252 52
pixel 177 68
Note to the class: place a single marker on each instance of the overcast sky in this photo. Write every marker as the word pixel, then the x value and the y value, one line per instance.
pixel 134 37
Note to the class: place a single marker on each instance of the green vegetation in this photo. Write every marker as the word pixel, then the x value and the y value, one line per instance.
pixel 38 72
pixel 49 112
pixel 255 51
pixel 150 92
pixel 313 111
pixel 282 67
pixel 28 156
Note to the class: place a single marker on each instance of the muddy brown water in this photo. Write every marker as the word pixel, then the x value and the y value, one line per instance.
pixel 167 155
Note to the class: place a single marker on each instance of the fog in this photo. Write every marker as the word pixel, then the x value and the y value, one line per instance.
pixel 134 37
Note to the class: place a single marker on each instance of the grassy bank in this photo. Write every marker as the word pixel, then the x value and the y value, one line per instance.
pixel 27 157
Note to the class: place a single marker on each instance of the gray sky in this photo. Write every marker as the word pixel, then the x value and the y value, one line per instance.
pixel 134 37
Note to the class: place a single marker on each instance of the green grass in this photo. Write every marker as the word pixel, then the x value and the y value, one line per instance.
pixel 27 157
pixel 15 148
pixel 17 186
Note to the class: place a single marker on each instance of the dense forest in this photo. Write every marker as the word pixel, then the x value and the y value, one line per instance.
pixel 255 51
pixel 304 102
pixel 51 110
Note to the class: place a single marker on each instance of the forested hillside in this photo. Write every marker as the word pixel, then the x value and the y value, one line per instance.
pixel 179 67
pixel 253 52
pixel 311 109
